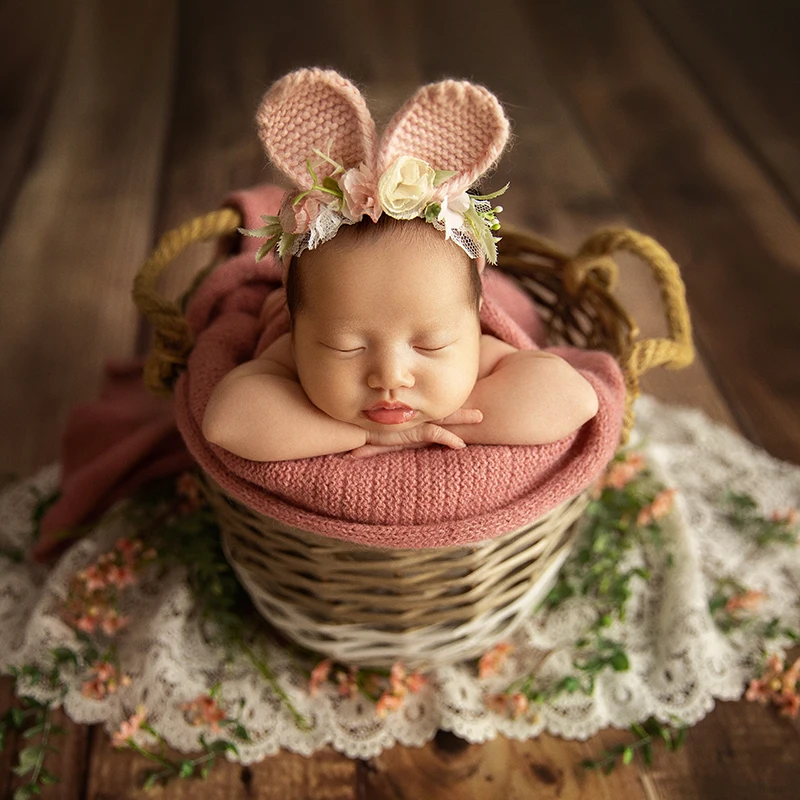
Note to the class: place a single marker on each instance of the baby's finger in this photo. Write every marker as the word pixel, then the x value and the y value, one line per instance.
pixel 438 435
pixel 370 450
pixel 464 416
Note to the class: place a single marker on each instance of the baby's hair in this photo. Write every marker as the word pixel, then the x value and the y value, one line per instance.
pixel 363 230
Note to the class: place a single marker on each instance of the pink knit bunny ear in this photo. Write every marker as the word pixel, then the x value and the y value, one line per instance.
pixel 315 108
pixel 452 125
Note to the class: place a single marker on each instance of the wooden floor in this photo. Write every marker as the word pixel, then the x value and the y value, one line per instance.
pixel 672 116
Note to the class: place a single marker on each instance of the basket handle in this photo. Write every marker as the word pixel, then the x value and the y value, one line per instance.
pixel 172 337
pixel 674 351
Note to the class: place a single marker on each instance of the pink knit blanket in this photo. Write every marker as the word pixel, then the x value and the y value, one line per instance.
pixel 430 497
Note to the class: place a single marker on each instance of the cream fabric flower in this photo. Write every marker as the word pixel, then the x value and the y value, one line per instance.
pixel 406 187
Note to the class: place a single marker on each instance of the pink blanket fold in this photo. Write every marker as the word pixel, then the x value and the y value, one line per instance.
pixel 431 497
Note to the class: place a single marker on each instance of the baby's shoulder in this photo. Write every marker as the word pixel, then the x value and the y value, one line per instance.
pixel 279 354
pixel 493 350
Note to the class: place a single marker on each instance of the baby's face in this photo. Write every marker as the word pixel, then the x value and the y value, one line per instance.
pixel 387 336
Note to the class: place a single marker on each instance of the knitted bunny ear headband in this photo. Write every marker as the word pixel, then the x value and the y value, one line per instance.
pixel 316 128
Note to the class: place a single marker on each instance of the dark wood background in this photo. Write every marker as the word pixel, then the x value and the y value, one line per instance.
pixel 676 117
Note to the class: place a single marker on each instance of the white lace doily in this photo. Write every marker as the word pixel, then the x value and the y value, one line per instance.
pixel 679 661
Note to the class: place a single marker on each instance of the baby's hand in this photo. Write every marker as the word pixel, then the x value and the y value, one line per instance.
pixel 420 436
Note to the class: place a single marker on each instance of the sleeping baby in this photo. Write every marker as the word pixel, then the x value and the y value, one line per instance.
pixel 383 253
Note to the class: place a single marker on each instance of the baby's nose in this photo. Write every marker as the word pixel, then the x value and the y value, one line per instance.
pixel 390 371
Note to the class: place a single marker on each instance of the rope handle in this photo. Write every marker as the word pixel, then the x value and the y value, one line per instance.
pixel 674 351
pixel 172 337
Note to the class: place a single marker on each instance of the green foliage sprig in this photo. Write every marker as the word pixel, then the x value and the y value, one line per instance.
pixel 32 718
pixel 624 515
pixel 646 735
pixel 185 534
pixel 744 514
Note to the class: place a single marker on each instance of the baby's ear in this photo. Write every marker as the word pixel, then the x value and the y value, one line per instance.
pixel 315 108
pixel 452 125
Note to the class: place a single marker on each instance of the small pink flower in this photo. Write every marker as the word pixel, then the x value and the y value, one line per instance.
pixel 204 710
pixel 94 688
pixel 621 473
pixel 129 548
pixel 397 679
pixel 86 623
pixel 112 622
pixel 496 702
pixel 791 678
pixel 387 702
pixel 518 704
pixel 297 218
pixel 93 579
pixel 658 509
pixel 360 189
pixel 121 576
pixel 415 682
pixel 748 601
pixel 319 675
pixel 789 517
pixel 348 682
pixel 104 670
pixel 492 661
pixel 128 728
pixel 789 705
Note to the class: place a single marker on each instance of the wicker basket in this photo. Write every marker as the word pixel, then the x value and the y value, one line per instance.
pixel 364 605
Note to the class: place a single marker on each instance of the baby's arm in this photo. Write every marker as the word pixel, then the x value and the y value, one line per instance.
pixel 526 396
pixel 259 411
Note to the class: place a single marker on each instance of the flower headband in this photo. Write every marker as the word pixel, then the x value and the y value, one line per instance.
pixel 316 128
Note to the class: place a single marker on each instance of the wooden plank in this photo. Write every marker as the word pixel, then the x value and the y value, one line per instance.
pixel 82 216
pixel 692 184
pixel 747 63
pixel 68 761
pixel 30 61
pixel 120 774
pixel 82 219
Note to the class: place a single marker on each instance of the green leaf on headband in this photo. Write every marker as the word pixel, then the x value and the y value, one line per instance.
pixel 481 232
pixel 264 232
pixel 441 175
pixel 492 195
pixel 337 167
pixel 432 211
pixel 331 186
pixel 285 243
pixel 267 246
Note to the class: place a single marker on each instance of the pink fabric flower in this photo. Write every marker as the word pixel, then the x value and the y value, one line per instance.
pixel 128 728
pixel 360 189
pixel 297 218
